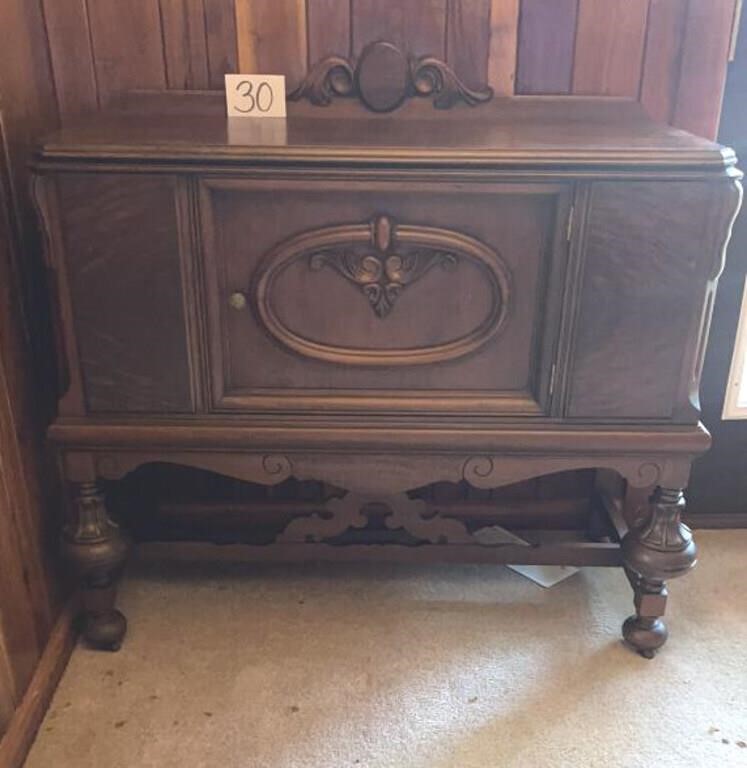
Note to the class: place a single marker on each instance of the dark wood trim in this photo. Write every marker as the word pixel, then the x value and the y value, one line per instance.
pixel 707 521
pixel 718 489
pixel 551 514
pixel 136 134
pixel 22 729
pixel 295 433
pixel 557 551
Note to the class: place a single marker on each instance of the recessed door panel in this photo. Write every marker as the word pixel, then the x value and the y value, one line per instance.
pixel 322 293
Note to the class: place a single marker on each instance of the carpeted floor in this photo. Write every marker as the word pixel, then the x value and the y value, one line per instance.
pixel 407 667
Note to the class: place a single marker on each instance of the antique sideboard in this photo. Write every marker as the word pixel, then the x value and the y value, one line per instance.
pixel 380 295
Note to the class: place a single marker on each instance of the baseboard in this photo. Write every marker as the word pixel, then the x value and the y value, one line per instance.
pixel 27 718
pixel 728 520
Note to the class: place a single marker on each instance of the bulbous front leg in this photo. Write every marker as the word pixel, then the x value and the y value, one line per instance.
pixel 660 547
pixel 97 549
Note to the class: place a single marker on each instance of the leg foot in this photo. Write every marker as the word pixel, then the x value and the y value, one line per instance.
pixel 104 627
pixel 97 549
pixel 659 547
pixel 645 632
pixel 645 635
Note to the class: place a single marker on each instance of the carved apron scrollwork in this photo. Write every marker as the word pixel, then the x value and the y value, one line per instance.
pixel 400 513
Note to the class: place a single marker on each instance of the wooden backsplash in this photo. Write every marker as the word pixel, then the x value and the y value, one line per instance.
pixel 672 54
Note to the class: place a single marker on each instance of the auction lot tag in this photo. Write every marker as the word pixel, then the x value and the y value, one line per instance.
pixel 255 95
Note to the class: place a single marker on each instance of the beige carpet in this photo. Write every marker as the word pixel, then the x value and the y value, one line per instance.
pixel 404 667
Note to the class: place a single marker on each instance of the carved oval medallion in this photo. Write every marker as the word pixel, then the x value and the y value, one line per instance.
pixel 382 76
pixel 382 262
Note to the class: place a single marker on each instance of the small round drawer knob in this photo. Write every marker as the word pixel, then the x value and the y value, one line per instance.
pixel 237 300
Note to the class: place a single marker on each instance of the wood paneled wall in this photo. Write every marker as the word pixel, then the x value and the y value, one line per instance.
pixel 670 54
pixel 29 595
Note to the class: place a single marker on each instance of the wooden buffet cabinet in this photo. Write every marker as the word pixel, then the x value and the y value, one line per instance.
pixel 381 301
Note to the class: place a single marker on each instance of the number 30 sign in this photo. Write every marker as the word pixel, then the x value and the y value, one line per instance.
pixel 255 95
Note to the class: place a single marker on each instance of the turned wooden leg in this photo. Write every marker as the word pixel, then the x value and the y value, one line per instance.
pixel 658 548
pixel 97 549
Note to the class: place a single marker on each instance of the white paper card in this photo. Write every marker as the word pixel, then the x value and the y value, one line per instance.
pixel 257 133
pixel 545 575
pixel 255 95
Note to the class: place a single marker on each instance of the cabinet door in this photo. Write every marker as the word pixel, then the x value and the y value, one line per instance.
pixel 652 253
pixel 123 273
pixel 383 296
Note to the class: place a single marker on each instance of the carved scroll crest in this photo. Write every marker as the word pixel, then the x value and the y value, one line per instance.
pixel 383 77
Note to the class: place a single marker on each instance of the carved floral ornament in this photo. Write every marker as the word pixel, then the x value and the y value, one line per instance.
pixel 383 77
pixel 382 259
pixel 384 273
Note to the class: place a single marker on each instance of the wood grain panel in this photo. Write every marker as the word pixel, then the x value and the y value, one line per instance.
pixel 468 40
pixel 329 28
pixel 69 37
pixel 609 47
pixel 184 44
pixel 272 38
pixel 416 26
pixel 123 262
pixel 651 249
pixel 661 67
pixel 127 45
pixel 547 35
pixel 504 31
pixel 705 52
pixel 220 34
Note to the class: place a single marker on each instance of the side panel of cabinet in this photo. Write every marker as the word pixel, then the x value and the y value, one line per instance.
pixel 120 237
pixel 652 254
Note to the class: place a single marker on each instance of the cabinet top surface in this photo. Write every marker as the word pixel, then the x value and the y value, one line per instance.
pixel 531 133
